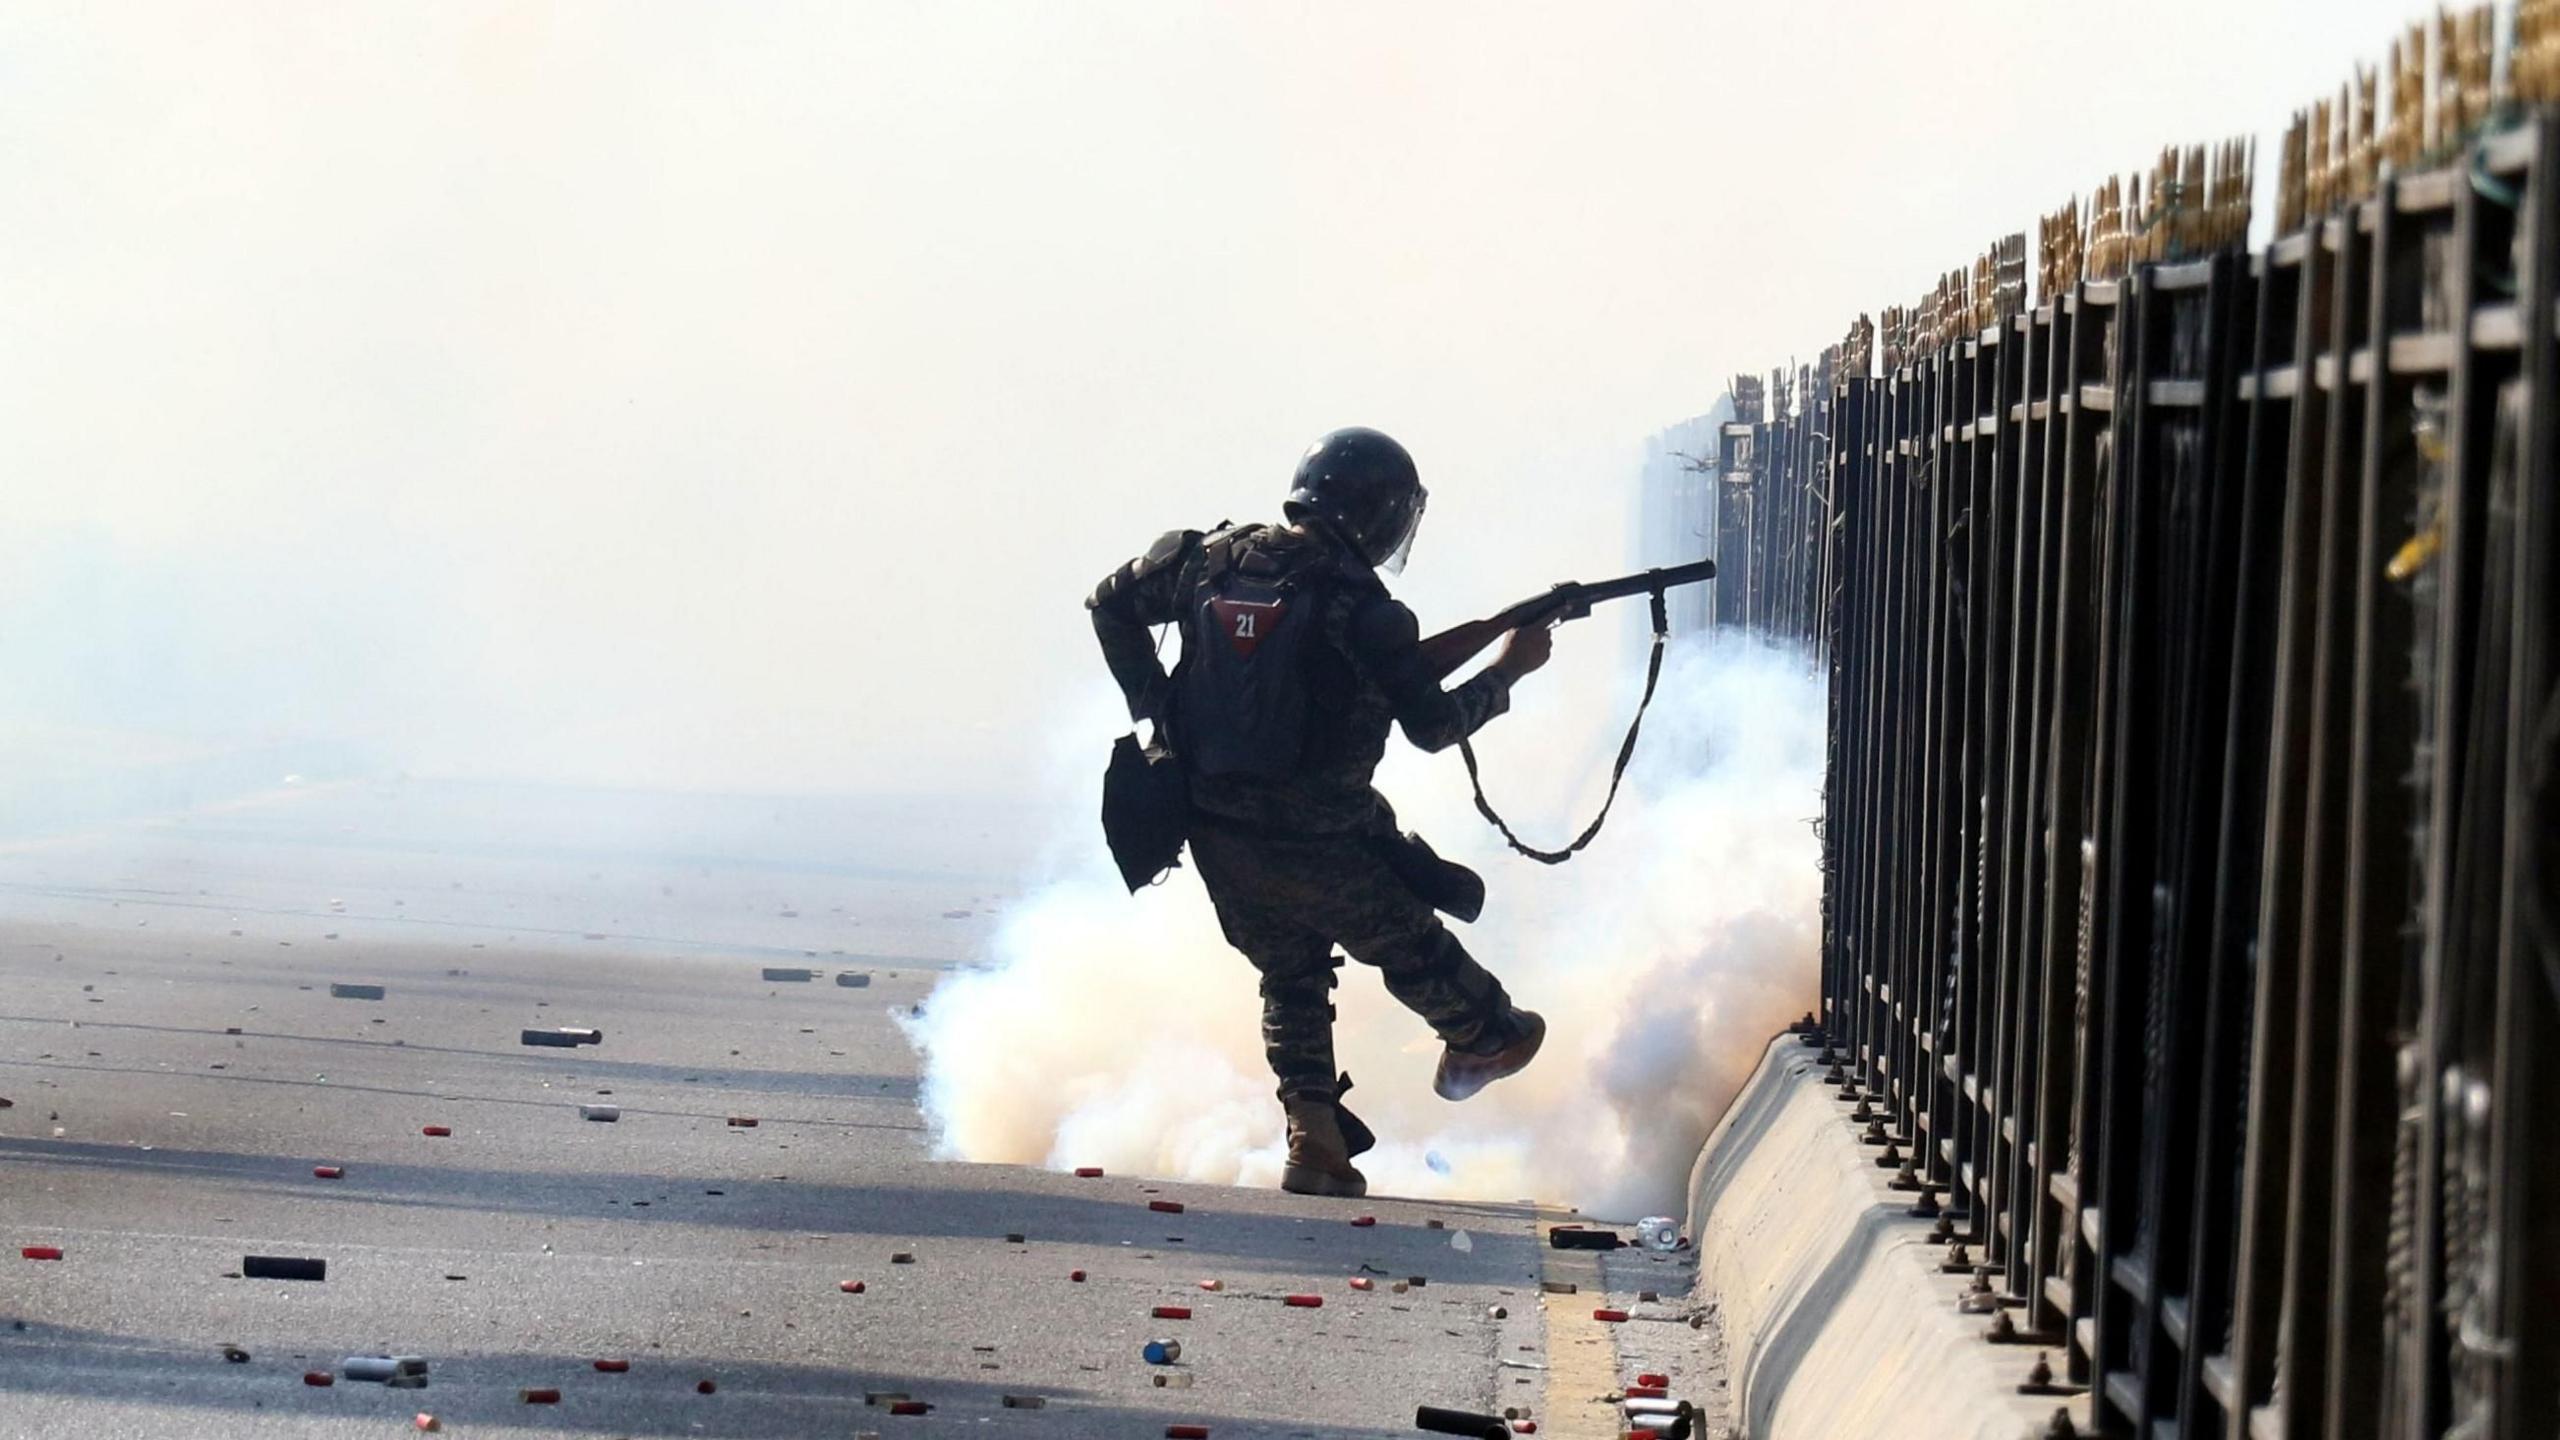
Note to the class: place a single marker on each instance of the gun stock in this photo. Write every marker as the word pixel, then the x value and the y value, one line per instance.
pixel 1445 652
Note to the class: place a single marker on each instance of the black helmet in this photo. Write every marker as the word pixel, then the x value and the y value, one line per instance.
pixel 1362 483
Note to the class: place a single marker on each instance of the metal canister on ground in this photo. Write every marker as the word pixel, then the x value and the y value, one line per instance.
pixel 1440 1420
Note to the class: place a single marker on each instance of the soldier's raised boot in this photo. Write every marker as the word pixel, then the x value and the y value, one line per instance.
pixel 1319 1157
pixel 1462 1074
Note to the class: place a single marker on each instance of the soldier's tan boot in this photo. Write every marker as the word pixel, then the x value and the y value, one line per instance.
pixel 1462 1074
pixel 1319 1158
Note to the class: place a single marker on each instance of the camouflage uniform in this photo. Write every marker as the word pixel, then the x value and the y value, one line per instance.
pixel 1295 867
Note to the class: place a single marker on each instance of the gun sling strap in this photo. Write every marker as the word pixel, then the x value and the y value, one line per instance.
pixel 1617 773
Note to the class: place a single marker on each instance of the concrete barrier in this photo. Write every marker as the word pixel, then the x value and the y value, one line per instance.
pixel 1838 1323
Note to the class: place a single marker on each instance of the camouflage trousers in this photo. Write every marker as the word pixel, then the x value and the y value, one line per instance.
pixel 1287 901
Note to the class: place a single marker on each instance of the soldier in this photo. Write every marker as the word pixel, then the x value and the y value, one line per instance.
pixel 1295 661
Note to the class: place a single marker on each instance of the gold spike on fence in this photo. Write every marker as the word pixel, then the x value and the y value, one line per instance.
pixel 2061 247
pixel 2364 158
pixel 2320 175
pixel 1858 349
pixel 2405 138
pixel 2473 73
pixel 2533 67
pixel 2289 174
pixel 2103 235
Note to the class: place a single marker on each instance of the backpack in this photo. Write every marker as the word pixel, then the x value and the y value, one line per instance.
pixel 1242 696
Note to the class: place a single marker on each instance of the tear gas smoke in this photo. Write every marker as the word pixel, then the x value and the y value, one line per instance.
pixel 1123 1032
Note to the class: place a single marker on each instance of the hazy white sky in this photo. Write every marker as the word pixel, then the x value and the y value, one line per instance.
pixel 745 394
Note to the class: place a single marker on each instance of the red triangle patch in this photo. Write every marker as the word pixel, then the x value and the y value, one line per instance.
pixel 1245 623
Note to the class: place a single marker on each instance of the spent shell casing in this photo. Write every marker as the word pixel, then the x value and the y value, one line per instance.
pixel 283 1267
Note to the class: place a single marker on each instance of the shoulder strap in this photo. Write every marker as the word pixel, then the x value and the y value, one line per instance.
pixel 1617 773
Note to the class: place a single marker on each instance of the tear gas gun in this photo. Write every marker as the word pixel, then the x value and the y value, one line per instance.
pixel 1443 653
pixel 1451 648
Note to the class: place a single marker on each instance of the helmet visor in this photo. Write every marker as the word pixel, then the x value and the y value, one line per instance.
pixel 1402 550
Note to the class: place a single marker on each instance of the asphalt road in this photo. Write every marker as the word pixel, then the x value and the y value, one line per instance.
pixel 178 1067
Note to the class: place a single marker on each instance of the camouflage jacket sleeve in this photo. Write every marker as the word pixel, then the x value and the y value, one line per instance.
pixel 1143 593
pixel 1386 646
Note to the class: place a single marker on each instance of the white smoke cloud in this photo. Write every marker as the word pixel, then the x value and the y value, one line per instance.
pixel 1123 1032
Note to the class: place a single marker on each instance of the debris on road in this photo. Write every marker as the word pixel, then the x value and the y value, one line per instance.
pixel 383 1369
pixel 1088 1172
pixel 609 1114
pixel 706 1386
pixel 1213 1285
pixel 233 1354
pixel 911 1407
pixel 355 992
pixel 1076 1276
pixel 1559 1287
pixel 1574 1237
pixel 1186 1432
pixel 789 973
pixel 1026 1402
pixel 283 1267
pixel 328 1172
pixel 743 1122
pixel 613 1367
pixel 542 1395
pixel 1363 1282
pixel 1165 1207
pixel 853 980
pixel 1172 1312
pixel 563 1038
pixel 851 1287
pixel 1440 1420
pixel 1363 1222
pixel 1174 1379
pixel 1303 1302
pixel 902 1257
pixel 41 1252
pixel 436 1131
pixel 427 1422
pixel 1161 1352
pixel 1610 1317
pixel 319 1379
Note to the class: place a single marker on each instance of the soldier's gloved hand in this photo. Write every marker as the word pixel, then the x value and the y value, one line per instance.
pixel 1525 649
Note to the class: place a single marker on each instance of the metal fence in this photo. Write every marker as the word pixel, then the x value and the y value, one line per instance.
pixel 2192 933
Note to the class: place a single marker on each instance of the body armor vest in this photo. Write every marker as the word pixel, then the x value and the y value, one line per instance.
pixel 1244 690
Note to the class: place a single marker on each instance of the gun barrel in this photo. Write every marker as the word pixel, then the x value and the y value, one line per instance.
pixel 1645 582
